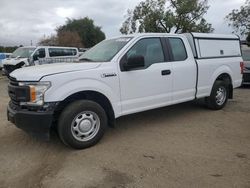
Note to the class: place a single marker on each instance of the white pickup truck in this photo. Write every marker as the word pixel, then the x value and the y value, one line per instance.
pixel 121 76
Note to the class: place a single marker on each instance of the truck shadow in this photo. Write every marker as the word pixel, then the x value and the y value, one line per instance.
pixel 162 114
pixel 135 122
pixel 245 87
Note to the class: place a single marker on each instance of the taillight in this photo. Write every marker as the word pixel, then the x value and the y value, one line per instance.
pixel 241 67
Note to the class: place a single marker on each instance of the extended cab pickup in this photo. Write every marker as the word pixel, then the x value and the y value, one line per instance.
pixel 121 76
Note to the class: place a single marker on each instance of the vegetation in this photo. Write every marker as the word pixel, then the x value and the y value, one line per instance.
pixel 239 19
pixel 178 17
pixel 76 32
pixel 8 49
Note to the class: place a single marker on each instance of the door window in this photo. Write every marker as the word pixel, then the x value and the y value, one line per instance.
pixel 54 52
pixel 41 53
pixel 150 49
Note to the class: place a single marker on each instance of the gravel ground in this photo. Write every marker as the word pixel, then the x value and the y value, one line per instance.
pixel 184 145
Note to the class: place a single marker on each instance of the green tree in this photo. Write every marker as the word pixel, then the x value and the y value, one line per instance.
pixel 239 19
pixel 86 29
pixel 155 16
pixel 49 41
pixel 8 49
pixel 70 39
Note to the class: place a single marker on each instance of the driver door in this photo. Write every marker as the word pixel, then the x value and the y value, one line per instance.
pixel 150 86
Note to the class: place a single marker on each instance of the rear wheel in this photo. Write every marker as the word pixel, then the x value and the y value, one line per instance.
pixel 219 95
pixel 82 124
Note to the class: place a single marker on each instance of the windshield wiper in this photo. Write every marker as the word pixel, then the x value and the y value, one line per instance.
pixel 86 59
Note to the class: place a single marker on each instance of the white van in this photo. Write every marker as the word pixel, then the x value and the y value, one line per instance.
pixel 27 56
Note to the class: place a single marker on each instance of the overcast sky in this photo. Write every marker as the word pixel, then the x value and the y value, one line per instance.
pixel 24 20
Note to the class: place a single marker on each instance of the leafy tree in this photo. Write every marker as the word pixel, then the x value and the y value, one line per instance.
pixel 85 28
pixel 70 39
pixel 49 41
pixel 8 49
pixel 76 32
pixel 156 16
pixel 240 18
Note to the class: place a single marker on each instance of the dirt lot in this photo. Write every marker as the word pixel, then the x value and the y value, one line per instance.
pixel 184 145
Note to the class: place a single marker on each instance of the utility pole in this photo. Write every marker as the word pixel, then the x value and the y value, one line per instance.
pixel 31 43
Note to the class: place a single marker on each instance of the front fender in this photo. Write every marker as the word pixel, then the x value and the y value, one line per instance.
pixel 60 90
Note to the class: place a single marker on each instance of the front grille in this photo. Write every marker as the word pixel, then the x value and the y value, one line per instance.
pixel 13 81
pixel 18 93
pixel 14 106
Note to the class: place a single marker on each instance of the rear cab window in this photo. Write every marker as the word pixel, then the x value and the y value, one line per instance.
pixel 178 49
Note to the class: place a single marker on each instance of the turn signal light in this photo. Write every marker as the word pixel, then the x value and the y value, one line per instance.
pixel 32 94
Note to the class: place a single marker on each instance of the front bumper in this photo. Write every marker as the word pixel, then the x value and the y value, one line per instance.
pixel 36 123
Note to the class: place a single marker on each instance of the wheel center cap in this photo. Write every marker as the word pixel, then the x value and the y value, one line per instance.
pixel 85 125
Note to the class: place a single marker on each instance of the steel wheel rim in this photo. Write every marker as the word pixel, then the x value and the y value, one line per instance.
pixel 221 95
pixel 85 126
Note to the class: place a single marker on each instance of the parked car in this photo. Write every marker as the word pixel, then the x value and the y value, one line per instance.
pixel 246 71
pixel 121 76
pixel 27 56
pixel 2 57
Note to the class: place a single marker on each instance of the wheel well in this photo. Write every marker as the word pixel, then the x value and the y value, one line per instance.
pixel 227 78
pixel 89 95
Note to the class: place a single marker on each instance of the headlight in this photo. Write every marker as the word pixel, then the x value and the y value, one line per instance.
pixel 37 90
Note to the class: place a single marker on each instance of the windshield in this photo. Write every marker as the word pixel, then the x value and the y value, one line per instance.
pixel 23 52
pixel 105 50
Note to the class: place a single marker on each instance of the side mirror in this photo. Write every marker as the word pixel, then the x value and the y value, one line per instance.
pixel 134 62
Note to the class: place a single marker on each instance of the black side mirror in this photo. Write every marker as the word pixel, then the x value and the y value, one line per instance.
pixel 134 62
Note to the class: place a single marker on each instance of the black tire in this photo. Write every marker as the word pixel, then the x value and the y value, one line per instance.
pixel 211 101
pixel 68 120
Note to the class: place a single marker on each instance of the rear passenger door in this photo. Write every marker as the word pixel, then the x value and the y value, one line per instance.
pixel 184 70
pixel 150 86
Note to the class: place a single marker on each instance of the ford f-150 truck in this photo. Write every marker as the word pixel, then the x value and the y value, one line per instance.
pixel 121 76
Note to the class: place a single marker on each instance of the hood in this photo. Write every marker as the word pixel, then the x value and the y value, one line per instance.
pixel 35 73
pixel 13 61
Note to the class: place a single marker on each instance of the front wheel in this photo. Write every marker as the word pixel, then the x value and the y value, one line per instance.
pixel 219 96
pixel 82 124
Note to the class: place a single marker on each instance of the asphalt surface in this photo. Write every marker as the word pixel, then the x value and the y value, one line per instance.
pixel 184 145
